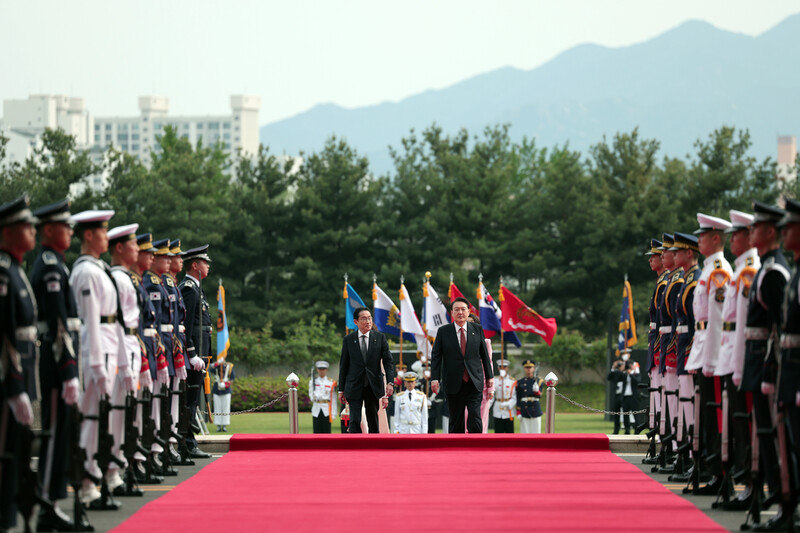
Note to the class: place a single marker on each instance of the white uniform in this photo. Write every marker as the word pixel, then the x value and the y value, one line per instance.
pixel 101 337
pixel 735 313
pixel 505 398
pixel 411 412
pixel 709 298
pixel 322 396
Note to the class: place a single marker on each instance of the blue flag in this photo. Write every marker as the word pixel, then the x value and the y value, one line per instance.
pixel 352 301
pixel 223 338
pixel 627 324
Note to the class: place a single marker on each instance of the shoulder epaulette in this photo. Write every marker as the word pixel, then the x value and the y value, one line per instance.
pixel 155 279
pixel 717 263
pixel 49 258
pixel 749 261
pixel 189 283
pixel 169 281
pixel 5 260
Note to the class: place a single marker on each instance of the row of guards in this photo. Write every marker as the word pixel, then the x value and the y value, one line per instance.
pixel 510 316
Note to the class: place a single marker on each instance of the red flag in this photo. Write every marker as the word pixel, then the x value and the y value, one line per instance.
pixel 454 293
pixel 519 317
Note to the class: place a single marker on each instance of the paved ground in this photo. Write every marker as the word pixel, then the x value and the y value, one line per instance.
pixel 730 520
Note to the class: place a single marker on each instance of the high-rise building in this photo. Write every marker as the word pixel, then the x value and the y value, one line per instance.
pixel 787 154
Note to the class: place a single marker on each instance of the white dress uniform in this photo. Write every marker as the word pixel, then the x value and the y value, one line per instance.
pixel 322 395
pixel 411 412
pixel 505 398
pixel 731 357
pixel 101 335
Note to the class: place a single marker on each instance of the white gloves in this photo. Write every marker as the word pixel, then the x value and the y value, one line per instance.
pixel 535 387
pixel 180 373
pixel 70 391
pixel 163 375
pixel 146 380
pixel 198 364
pixel 767 388
pixel 127 378
pixel 797 399
pixel 21 409
pixel 737 380
pixel 100 377
pixel 708 373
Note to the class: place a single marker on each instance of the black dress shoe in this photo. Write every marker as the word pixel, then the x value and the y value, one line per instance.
pixel 50 520
pixel 738 504
pixel 779 522
pixel 197 453
pixel 711 489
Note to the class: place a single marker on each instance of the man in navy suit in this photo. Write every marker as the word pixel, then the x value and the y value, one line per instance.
pixel 361 380
pixel 460 360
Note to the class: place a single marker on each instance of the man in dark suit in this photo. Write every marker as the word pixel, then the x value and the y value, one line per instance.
pixel 360 378
pixel 460 360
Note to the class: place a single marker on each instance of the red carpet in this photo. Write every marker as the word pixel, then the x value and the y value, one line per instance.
pixel 366 483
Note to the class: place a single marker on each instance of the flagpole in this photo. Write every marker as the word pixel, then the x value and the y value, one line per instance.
pixel 502 332
pixel 425 330
pixel 346 296
pixel 402 279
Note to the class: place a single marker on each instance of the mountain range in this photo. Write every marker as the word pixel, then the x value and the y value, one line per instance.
pixel 676 88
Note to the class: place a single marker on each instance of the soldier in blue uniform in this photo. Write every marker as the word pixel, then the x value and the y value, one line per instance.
pixel 178 313
pixel 59 327
pixel 198 332
pixel 529 391
pixel 653 337
pixel 18 315
pixel 761 348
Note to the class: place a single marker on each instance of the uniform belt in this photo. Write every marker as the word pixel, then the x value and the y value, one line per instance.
pixel 665 329
pixel 756 334
pixel 682 329
pixel 700 325
pixel 131 331
pixel 532 399
pixel 167 328
pixel 790 340
pixel 729 326
pixel 149 332
pixel 206 328
pixel 26 333
pixel 108 319
pixel 181 328
pixel 652 325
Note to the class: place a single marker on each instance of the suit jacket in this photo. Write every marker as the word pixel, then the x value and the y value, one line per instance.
pixel 352 367
pixel 448 363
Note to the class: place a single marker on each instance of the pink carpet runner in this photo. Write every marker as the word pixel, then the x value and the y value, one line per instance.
pixel 442 483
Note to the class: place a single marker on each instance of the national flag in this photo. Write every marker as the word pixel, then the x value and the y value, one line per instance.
pixel 627 323
pixel 434 312
pixel 519 317
pixel 491 317
pixel 454 293
pixel 352 301
pixel 223 338
pixel 410 322
pixel 386 315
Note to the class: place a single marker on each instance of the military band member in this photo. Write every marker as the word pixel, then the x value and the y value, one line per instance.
pixel 59 327
pixel 654 338
pixel 322 392
pixel 528 393
pixel 223 378
pixel 198 332
pixel 411 408
pixel 18 336
pixel 505 400
pixel 731 358
pixel 763 321
pixel 101 332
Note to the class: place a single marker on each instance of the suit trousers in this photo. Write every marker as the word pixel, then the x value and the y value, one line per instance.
pixel 470 397
pixel 371 404
pixel 321 423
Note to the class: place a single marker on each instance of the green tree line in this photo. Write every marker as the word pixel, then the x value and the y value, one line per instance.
pixel 561 227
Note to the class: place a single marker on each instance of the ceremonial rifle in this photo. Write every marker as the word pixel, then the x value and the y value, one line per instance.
pixel 149 437
pixel 77 469
pixel 165 406
pixel 105 456
pixel 131 446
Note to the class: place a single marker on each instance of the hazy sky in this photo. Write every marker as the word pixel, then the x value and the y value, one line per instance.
pixel 296 54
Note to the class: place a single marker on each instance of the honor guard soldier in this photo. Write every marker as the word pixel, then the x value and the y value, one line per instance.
pixel 731 358
pixel 528 393
pixel 505 400
pixel 761 348
pixel 198 332
pixel 322 392
pixel 101 332
pixel 174 266
pixel 411 408
pixel 653 336
pixel 59 327
pixel 124 256
pixel 18 354
pixel 668 358
pixel 150 335
pixel 223 377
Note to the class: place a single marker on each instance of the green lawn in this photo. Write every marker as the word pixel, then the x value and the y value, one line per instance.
pixel 279 423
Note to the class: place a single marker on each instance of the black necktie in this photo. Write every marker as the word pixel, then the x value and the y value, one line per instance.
pixel 364 347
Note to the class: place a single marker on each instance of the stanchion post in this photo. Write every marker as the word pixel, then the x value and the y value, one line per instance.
pixel 292 381
pixel 551 380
